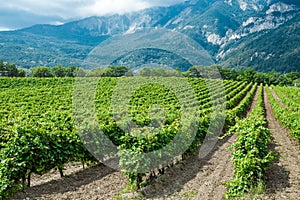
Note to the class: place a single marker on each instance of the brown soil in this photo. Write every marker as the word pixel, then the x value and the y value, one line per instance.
pixel 283 177
pixel 277 98
pixel 98 182
pixel 196 178
pixel 54 174
pixel 254 101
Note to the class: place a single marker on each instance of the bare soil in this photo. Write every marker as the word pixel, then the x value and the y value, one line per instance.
pixel 196 178
pixel 254 101
pixel 283 177
pixel 277 98
pixel 97 182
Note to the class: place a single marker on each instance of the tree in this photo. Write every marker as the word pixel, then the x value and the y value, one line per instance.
pixel 260 77
pixel 296 82
pixel 7 69
pixel 227 74
pixel 109 72
pixel 291 77
pixel 117 71
pixel 80 72
pixel 247 75
pixel 58 71
pixel 21 73
pixel 194 72
pixel 145 72
pixel 276 78
pixel 41 71
pixel 98 72
pixel 71 71
pixel 159 72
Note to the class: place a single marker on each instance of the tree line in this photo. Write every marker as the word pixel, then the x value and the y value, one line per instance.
pixel 11 70
pixel 249 74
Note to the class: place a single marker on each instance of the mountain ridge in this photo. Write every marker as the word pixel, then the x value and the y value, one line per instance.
pixel 220 27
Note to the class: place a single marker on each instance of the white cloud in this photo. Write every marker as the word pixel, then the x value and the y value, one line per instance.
pixel 57 23
pixel 15 14
pixel 4 29
pixel 81 8
pixel 101 7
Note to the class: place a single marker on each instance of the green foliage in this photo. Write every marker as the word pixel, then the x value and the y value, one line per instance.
pixel 289 116
pixel 214 72
pixel 21 73
pixel 112 71
pixel 248 75
pixel 57 71
pixel 292 76
pixel 132 149
pixel 116 71
pixel 296 82
pixel 41 72
pixel 269 78
pixel 10 70
pixel 228 74
pixel 232 116
pixel 143 56
pixel 159 72
pixel 251 157
pixel 38 132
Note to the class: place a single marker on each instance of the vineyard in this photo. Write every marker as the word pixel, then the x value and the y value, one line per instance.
pixel 152 126
pixel 287 109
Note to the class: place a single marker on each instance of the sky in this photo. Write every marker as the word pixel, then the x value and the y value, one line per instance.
pixel 15 14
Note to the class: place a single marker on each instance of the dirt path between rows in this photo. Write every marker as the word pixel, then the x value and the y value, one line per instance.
pixel 254 101
pixel 283 177
pixel 277 98
pixel 195 178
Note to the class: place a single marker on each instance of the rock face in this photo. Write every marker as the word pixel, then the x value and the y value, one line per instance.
pixel 223 28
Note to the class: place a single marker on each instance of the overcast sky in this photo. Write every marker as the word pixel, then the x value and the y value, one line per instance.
pixel 22 13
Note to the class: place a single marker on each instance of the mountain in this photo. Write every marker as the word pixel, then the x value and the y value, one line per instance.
pixel 277 49
pixel 263 34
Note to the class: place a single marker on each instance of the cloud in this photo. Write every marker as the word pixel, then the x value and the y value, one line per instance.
pixel 16 14
pixel 81 8
pixel 11 19
pixel 4 28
